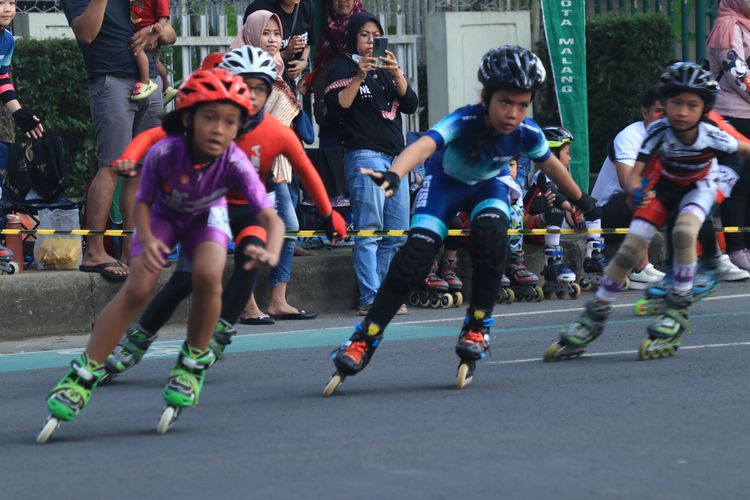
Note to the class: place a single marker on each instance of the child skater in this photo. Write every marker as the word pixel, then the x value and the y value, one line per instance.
pixel 680 151
pixel 180 199
pixel 468 150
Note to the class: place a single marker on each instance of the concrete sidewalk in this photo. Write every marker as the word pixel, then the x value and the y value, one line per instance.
pixel 41 303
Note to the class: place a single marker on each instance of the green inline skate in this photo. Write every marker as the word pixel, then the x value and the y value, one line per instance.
pixel 128 352
pixel 665 333
pixel 575 338
pixel 221 338
pixel 68 398
pixel 184 384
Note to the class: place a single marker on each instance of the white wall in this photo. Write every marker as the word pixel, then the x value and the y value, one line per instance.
pixel 456 42
pixel 42 25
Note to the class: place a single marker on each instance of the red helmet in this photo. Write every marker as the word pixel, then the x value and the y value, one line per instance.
pixel 212 60
pixel 211 86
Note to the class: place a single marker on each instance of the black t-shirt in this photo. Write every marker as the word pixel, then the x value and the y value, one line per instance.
pixel 108 54
pixel 305 19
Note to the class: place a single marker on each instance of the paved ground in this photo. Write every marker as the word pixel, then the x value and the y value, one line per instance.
pixel 605 426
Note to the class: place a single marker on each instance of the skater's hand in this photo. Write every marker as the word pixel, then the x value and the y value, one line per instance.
pixel 124 167
pixel 335 227
pixel 388 181
pixel 154 252
pixel 259 256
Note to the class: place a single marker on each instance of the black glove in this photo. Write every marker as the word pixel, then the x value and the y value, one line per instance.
pixel 538 205
pixel 559 197
pixel 393 181
pixel 591 210
pixel 25 119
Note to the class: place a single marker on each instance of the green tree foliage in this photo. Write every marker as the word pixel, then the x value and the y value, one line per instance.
pixel 51 80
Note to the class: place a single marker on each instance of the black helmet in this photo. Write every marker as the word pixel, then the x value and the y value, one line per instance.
pixel 689 77
pixel 511 66
pixel 557 137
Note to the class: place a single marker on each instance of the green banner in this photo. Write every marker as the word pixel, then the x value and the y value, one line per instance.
pixel 565 29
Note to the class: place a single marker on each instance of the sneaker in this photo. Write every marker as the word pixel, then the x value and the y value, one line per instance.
pixel 650 269
pixel 141 91
pixel 740 258
pixel 727 271
pixel 642 280
pixel 169 94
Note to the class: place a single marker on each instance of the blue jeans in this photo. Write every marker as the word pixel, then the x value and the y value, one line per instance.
pixel 284 207
pixel 371 210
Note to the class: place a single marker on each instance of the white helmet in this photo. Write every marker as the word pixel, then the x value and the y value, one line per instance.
pixel 249 60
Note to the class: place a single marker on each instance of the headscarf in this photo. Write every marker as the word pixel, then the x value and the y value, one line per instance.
pixel 252 31
pixel 730 14
pixel 355 24
pixel 333 38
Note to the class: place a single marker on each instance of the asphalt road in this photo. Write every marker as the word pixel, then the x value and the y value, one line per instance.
pixel 604 426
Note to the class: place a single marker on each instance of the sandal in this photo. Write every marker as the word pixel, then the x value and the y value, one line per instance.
pixel 142 91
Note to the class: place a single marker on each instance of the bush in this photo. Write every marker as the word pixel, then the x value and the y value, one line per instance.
pixel 51 79
pixel 624 55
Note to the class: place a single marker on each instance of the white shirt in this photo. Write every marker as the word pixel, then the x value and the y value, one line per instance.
pixel 624 149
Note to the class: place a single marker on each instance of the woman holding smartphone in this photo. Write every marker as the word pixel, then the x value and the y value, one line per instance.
pixel 369 99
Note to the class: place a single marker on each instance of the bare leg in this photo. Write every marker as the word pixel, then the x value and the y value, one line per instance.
pixel 98 203
pixel 141 61
pixel 162 70
pixel 127 204
pixel 278 304
pixel 208 262
pixel 121 311
pixel 251 309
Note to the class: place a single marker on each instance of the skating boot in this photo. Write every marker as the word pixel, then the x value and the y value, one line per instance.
pixel 128 352
pixel 575 338
pixel 665 333
pixel 473 344
pixel 354 354
pixel 523 282
pixel 184 384
pixel 455 285
pixel 7 266
pixel 68 398
pixel 434 292
pixel 705 284
pixel 221 338
pixel 559 280
pixel 593 265
pixel 505 294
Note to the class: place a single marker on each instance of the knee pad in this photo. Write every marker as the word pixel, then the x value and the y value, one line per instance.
pixel 489 239
pixel 627 257
pixel 413 261
pixel 554 216
pixel 684 236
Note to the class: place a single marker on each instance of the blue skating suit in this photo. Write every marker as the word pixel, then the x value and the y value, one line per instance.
pixel 463 173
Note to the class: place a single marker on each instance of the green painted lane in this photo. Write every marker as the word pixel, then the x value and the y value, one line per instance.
pixel 301 339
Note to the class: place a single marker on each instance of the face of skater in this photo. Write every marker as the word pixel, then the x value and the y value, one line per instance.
pixel 563 154
pixel 506 109
pixel 513 166
pixel 684 111
pixel 215 126
pixel 258 93
pixel 270 38
pixel 7 12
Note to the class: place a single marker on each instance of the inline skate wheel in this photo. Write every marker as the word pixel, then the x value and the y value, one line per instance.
pixel 557 351
pixel 547 292
pixel 465 375
pixel 446 300
pixel 585 284
pixel 458 300
pixel 334 383
pixel 49 428
pixel 539 294
pixel 551 353
pixel 167 420
pixel 511 296
pixel 413 299
pixel 436 301
pixel 626 284
pixel 575 292
pixel 424 299
pixel 12 267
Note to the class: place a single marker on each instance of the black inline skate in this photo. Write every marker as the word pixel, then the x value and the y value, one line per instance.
pixel 7 265
pixel 559 280
pixel 354 354
pixel 505 294
pixel 448 274
pixel 523 282
pixel 473 344
pixel 575 338
pixel 434 293
pixel 593 265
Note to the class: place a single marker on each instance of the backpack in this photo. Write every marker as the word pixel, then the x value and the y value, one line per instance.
pixel 37 164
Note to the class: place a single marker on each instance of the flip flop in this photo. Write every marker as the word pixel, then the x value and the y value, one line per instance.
pixel 300 314
pixel 102 270
pixel 260 320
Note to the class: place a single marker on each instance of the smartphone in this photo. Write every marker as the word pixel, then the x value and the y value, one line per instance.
pixel 379 46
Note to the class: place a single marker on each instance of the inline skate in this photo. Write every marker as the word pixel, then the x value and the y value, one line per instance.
pixel 523 282
pixel 665 333
pixel 473 344
pixel 354 354
pixel 575 338
pixel 128 352
pixel 68 398
pixel 455 285
pixel 593 265
pixel 559 280
pixel 185 383
pixel 221 338
pixel 434 293
pixel 705 285
pixel 7 265
pixel 505 294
